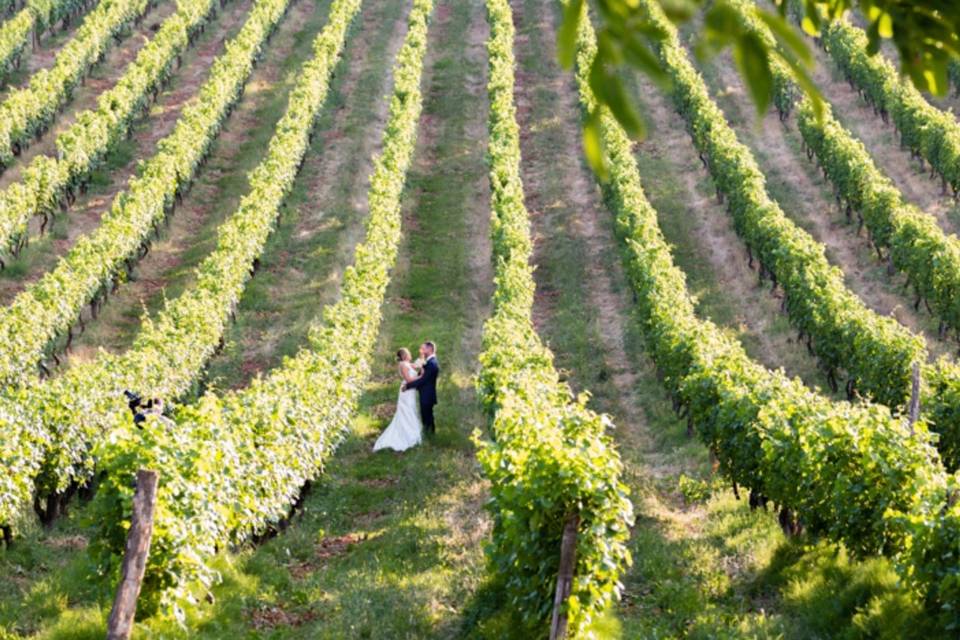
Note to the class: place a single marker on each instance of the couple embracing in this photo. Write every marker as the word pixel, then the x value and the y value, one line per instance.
pixel 419 379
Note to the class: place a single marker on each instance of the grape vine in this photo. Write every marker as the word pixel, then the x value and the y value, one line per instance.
pixel 927 131
pixel 551 456
pixel 34 18
pixel 46 310
pixel 61 420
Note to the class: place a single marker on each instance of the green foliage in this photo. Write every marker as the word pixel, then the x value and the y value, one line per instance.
pixel 27 112
pixel 694 489
pixel 915 243
pixel 48 184
pixel 874 352
pixel 551 457
pixel 853 473
pixel 36 16
pixel 916 246
pixel 231 465
pixel 924 129
pixel 924 32
pixel 50 441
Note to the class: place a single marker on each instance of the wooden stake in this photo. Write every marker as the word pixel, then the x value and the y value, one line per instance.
pixel 568 561
pixel 915 396
pixel 120 624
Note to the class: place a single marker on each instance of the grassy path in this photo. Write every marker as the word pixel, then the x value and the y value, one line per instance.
pixel 323 218
pixel 807 198
pixel 122 161
pixel 191 233
pixel 389 545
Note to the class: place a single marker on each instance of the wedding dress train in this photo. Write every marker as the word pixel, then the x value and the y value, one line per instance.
pixel 405 429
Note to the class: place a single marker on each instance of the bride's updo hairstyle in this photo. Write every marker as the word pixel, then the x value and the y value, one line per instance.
pixel 403 354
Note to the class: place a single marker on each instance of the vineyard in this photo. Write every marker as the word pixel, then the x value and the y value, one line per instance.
pixel 706 388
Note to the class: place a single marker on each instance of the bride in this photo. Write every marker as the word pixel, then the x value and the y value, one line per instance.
pixel 405 428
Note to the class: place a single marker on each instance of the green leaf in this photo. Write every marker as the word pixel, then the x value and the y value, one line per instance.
pixel 810 26
pixel 752 58
pixel 609 89
pixel 786 35
pixel 811 18
pixel 679 11
pixel 721 24
pixel 567 33
pixel 642 58
pixel 806 84
pixel 593 147
pixel 931 77
pixel 873 38
pixel 885 25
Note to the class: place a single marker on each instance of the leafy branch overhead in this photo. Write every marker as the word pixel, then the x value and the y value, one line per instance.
pixel 924 33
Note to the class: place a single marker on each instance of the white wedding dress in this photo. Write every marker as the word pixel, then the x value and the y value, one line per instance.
pixel 405 429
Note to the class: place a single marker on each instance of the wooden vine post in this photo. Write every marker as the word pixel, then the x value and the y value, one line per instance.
pixel 120 624
pixel 915 396
pixel 568 561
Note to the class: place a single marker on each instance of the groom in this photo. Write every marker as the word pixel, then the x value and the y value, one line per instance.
pixel 426 385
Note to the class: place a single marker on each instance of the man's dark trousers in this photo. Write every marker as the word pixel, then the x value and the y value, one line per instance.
pixel 426 386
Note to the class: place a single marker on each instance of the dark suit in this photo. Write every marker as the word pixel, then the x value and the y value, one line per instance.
pixel 426 386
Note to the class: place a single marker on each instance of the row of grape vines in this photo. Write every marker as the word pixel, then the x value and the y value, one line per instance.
pixel 59 421
pixel 853 473
pixel 50 184
pixel 27 112
pixel 551 458
pixel 47 309
pixel 36 17
pixel 875 352
pixel 927 131
pixel 916 244
pixel 231 466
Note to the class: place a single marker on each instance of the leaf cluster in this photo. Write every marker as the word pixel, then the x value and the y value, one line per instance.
pixel 924 32
pixel 924 129
pixel 36 16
